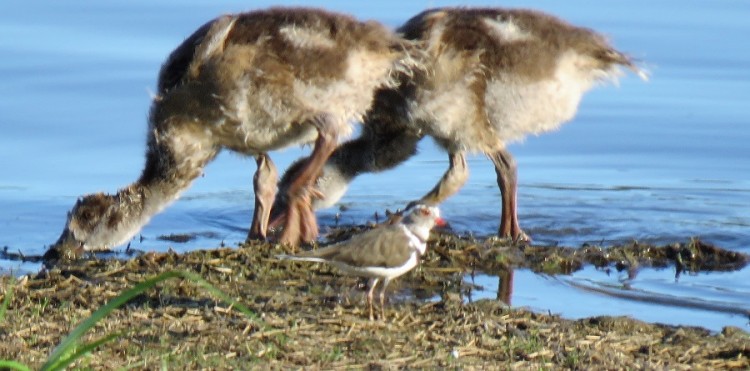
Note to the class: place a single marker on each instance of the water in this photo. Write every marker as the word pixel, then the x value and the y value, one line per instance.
pixel 658 161
pixel 653 295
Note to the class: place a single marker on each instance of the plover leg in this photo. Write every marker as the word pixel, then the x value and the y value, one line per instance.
pixel 371 283
pixel 386 281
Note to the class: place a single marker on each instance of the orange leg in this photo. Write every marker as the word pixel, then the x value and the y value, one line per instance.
pixel 386 142
pixel 300 222
pixel 507 180
pixel 281 204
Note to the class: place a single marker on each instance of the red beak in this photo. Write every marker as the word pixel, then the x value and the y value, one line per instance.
pixel 440 222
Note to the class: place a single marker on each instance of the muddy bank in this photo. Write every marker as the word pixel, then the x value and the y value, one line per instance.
pixel 308 315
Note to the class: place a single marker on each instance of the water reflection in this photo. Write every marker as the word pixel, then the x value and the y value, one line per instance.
pixel 596 292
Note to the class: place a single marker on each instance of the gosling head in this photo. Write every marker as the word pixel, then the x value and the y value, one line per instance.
pixel 92 225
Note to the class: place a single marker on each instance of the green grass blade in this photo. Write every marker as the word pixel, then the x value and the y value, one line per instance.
pixel 13 365
pixel 6 300
pixel 80 352
pixel 66 346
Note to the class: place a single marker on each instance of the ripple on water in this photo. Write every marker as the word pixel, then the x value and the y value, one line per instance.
pixel 653 296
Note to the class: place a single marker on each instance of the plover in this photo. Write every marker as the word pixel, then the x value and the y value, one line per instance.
pixel 383 253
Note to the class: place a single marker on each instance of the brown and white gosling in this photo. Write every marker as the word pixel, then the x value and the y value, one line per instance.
pixel 491 76
pixel 252 83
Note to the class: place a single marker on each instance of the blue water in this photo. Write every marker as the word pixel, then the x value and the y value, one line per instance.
pixel 659 161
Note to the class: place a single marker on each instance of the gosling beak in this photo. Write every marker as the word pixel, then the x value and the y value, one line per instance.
pixel 66 247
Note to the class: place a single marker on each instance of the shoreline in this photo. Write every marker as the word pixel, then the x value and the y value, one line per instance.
pixel 309 315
